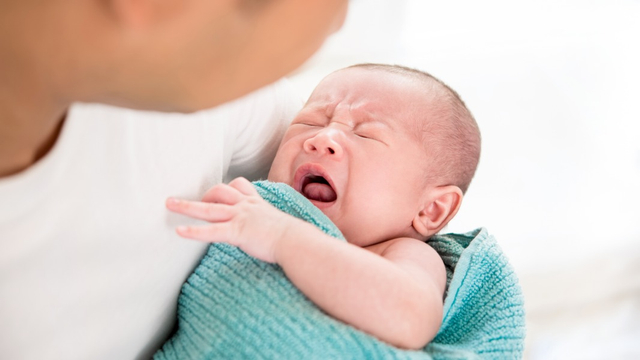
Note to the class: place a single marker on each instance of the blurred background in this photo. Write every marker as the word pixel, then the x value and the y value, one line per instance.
pixel 555 88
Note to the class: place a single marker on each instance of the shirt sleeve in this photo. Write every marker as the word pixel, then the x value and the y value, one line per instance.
pixel 256 132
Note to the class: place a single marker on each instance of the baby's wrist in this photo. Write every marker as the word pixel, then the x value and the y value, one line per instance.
pixel 292 232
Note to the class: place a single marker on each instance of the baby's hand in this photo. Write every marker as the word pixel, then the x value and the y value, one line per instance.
pixel 237 216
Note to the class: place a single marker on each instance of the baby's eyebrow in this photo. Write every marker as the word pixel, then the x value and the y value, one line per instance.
pixel 368 117
pixel 316 108
pixel 312 107
pixel 359 115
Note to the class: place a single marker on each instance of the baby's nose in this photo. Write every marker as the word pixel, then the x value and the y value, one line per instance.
pixel 326 142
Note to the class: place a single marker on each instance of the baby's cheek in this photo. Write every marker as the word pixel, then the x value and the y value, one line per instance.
pixel 272 175
pixel 276 173
pixel 282 166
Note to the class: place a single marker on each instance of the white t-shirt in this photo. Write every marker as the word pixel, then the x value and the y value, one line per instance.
pixel 90 265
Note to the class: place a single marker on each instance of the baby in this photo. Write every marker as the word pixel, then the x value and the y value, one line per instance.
pixel 386 152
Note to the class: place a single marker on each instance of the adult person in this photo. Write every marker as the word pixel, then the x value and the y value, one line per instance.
pixel 89 265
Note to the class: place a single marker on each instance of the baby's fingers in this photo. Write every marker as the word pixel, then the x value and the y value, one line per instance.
pixel 223 194
pixel 212 233
pixel 244 186
pixel 204 211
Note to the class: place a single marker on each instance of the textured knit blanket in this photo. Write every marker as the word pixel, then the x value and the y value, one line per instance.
pixel 236 307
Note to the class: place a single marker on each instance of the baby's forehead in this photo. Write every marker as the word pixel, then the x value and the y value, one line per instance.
pixel 400 99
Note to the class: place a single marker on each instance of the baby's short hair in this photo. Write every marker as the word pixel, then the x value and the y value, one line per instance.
pixel 451 134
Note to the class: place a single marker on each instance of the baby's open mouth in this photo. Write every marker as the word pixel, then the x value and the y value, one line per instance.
pixel 317 188
pixel 313 182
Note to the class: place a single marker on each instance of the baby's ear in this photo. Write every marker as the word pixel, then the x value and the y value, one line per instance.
pixel 440 206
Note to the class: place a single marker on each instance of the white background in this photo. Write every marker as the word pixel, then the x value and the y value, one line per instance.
pixel 555 88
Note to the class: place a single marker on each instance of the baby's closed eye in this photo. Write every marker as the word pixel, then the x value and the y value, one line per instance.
pixel 370 135
pixel 370 131
pixel 309 121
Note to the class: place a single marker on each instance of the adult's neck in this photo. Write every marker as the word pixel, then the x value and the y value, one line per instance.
pixel 28 130
pixel 32 109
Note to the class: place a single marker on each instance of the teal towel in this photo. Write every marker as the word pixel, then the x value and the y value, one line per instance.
pixel 236 307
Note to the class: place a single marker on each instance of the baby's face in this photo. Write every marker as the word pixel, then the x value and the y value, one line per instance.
pixel 353 152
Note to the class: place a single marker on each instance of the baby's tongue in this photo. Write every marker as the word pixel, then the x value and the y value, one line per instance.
pixel 319 192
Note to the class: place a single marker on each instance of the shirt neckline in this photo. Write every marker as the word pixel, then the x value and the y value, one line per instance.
pixel 20 192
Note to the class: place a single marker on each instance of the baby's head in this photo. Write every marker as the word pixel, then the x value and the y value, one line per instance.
pixel 384 151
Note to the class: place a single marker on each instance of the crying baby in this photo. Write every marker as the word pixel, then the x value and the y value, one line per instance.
pixel 384 151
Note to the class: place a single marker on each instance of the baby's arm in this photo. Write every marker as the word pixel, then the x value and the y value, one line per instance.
pixel 396 295
pixel 392 290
